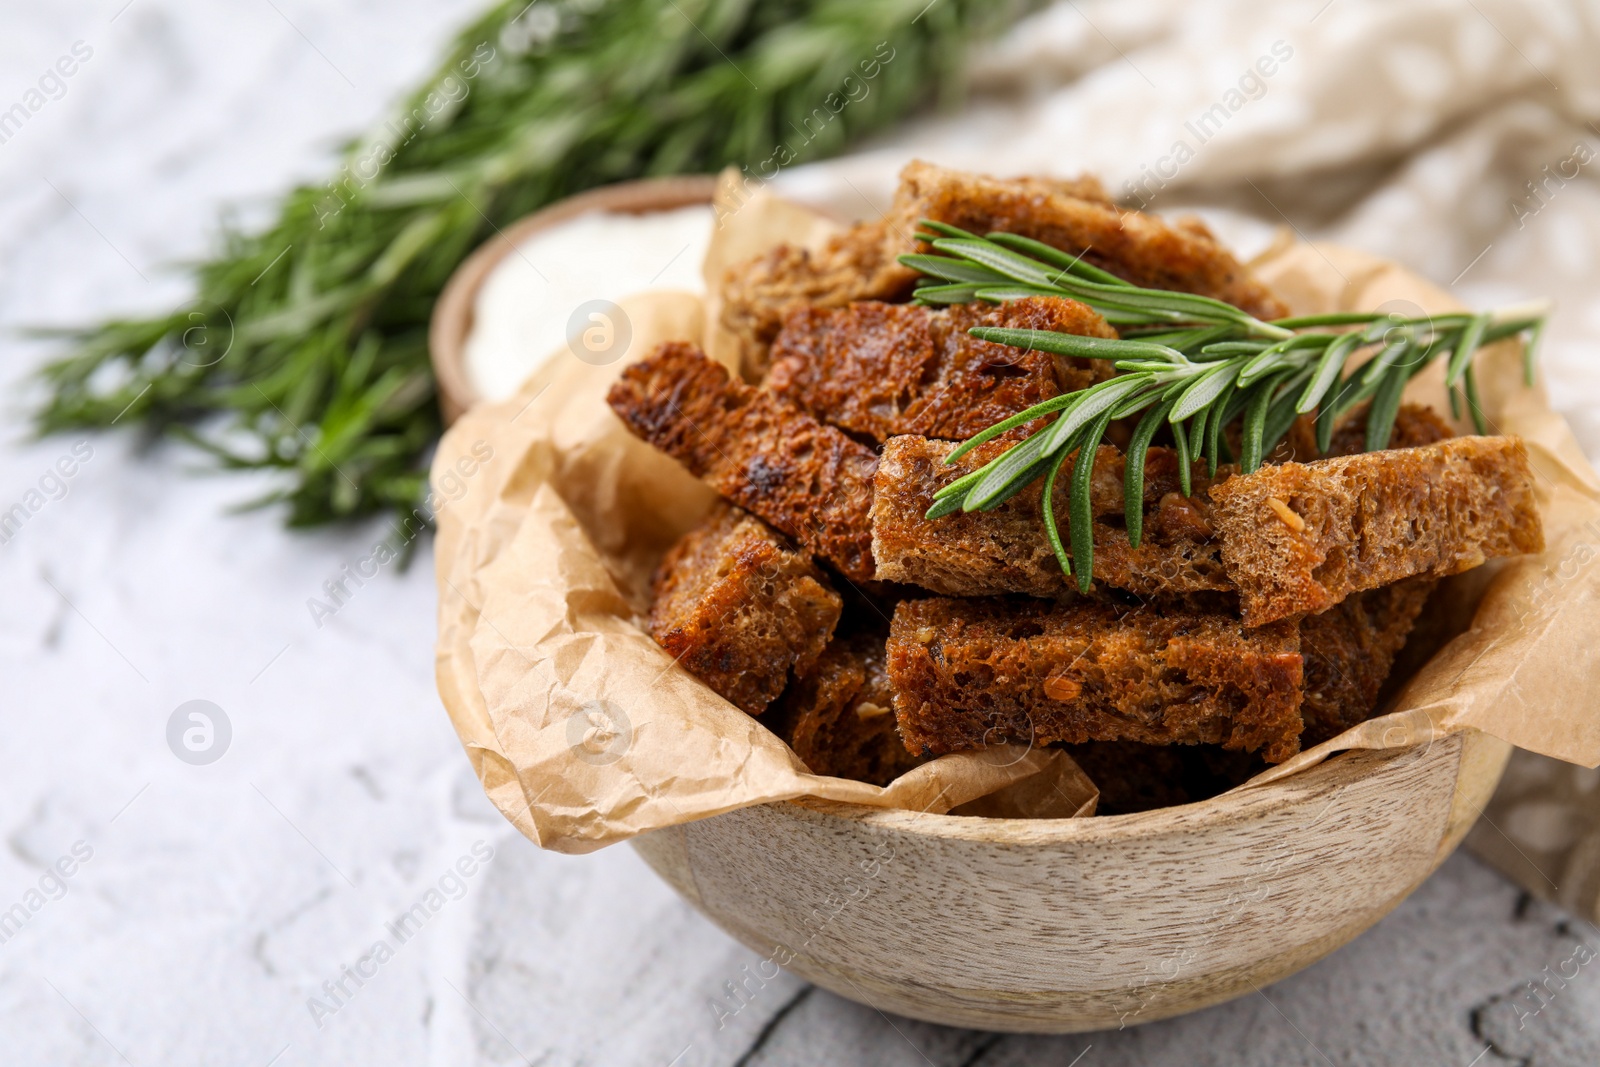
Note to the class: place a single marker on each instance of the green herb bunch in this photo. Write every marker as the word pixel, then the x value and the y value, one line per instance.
pixel 304 350
pixel 1192 365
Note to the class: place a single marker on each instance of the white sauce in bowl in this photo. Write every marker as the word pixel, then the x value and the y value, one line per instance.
pixel 527 302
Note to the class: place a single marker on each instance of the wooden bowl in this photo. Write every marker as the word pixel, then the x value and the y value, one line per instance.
pixel 451 322
pixel 1044 926
pixel 1063 925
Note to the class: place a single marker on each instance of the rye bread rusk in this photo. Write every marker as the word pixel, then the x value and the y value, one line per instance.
pixel 1298 538
pixel 972 672
pixel 979 553
pixel 810 480
pixel 858 264
pixel 969 672
pixel 1143 249
pixel 1134 777
pixel 839 718
pixel 880 370
pixel 1349 652
pixel 1003 551
pixel 739 607
pixel 1074 216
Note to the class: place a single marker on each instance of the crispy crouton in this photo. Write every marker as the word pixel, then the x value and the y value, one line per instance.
pixel 761 452
pixel 886 369
pixel 1300 537
pixel 1349 650
pixel 1005 550
pixel 1077 217
pixel 1083 187
pixel 1142 249
pixel 739 608
pixel 858 264
pixel 968 673
pixel 1446 614
pixel 1414 425
pixel 1135 777
pixel 839 718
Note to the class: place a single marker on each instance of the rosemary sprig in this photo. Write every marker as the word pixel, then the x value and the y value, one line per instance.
pixel 322 315
pixel 1191 364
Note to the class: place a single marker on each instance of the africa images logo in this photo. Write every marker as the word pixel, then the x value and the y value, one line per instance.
pixel 199 732
pixel 599 732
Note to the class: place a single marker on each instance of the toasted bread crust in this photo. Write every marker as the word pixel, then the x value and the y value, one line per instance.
pixel 1140 248
pixel 1415 425
pixel 886 369
pixel 809 480
pixel 1005 551
pixel 1083 187
pixel 1349 650
pixel 1074 216
pixel 1300 537
pixel 839 718
pixel 1135 777
pixel 967 673
pixel 739 607
pixel 858 264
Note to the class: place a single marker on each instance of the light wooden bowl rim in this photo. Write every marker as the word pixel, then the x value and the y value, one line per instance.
pixel 448 329
pixel 1234 806
pixel 451 322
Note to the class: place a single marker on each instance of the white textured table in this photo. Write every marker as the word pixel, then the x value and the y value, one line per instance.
pixel 208 905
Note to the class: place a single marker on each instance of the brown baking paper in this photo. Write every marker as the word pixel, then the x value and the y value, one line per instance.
pixel 584 732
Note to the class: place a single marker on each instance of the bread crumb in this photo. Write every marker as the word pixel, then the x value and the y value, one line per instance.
pixel 868 710
pixel 1286 514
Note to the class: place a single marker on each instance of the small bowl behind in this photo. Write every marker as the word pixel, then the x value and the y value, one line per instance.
pixel 1056 926
pixel 451 323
